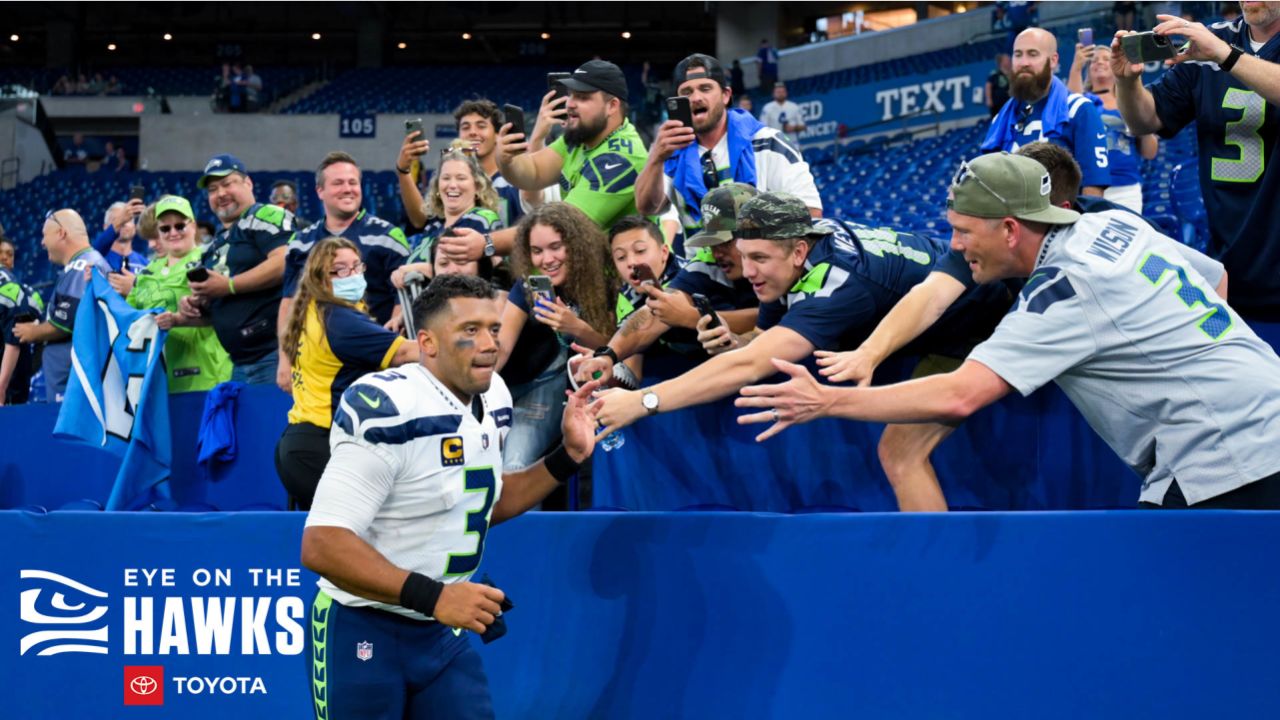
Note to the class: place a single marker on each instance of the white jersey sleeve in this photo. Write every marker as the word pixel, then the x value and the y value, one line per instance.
pixel 355 484
pixel 781 168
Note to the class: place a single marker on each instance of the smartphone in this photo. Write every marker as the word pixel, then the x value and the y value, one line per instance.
pixel 137 192
pixel 553 83
pixel 678 109
pixel 198 274
pixel 643 274
pixel 1147 47
pixel 701 302
pixel 415 126
pixel 540 288
pixel 1085 36
pixel 514 114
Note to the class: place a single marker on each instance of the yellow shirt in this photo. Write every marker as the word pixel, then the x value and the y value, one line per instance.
pixel 332 354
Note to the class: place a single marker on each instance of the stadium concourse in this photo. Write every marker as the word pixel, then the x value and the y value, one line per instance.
pixel 694 572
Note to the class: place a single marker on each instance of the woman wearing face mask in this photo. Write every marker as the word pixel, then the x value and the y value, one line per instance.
pixel 462 196
pixel 559 241
pixel 194 357
pixel 332 341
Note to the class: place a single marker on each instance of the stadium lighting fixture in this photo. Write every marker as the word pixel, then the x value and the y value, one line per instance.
pixel 14 38
pixel 111 47
pixel 315 36
pixel 466 36
pixel 626 34
pixel 402 45
pixel 546 36
pixel 961 8
pixel 167 36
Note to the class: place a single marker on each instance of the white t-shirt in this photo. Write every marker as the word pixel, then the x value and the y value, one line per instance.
pixel 777 115
pixel 414 474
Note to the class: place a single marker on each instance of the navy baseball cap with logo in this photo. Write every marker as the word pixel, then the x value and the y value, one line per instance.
pixel 698 66
pixel 220 166
pixel 598 75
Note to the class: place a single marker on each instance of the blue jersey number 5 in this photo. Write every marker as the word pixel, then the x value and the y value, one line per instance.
pixel 477 480
pixel 1215 322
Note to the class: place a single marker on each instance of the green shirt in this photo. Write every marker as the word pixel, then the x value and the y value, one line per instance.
pixel 601 181
pixel 194 357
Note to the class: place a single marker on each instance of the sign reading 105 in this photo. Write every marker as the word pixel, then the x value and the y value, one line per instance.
pixel 355 126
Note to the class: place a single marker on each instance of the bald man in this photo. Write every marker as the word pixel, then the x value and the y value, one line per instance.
pixel 1041 107
pixel 67 242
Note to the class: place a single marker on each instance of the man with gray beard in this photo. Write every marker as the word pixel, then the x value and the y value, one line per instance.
pixel 1041 108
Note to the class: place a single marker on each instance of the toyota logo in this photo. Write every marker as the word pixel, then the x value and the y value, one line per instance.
pixel 143 685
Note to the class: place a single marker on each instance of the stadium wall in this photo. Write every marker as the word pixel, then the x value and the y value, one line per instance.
pixel 21 140
pixel 1045 615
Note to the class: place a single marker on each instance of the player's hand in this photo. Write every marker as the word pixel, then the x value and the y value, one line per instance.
pixel 509 145
pixel 461 245
pixel 795 401
pixel 578 425
pixel 588 367
pixel 673 308
pixel 718 339
pixel 469 605
pixel 616 409
pixel 214 287
pixel 411 149
pixel 852 366
pixel 1205 46
pixel 673 136
pixel 1121 67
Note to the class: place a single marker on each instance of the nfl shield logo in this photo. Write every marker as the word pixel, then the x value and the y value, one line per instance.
pixel 484 441
pixel 364 651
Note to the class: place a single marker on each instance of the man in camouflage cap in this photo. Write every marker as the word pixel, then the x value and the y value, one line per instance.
pixel 715 273
pixel 822 284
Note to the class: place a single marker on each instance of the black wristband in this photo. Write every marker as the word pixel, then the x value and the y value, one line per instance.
pixel 559 464
pixel 606 350
pixel 403 172
pixel 1232 58
pixel 420 594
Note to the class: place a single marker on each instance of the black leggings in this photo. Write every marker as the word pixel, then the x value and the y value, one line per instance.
pixel 1261 494
pixel 301 454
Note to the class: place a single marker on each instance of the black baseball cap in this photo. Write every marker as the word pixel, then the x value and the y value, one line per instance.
pixel 704 66
pixel 598 75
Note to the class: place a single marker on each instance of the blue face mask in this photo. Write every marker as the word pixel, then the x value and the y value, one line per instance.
pixel 350 288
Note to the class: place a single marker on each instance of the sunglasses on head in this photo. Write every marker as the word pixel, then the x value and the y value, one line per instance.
pixel 965 173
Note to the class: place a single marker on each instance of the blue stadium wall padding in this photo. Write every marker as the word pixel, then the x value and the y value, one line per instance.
pixel 1120 614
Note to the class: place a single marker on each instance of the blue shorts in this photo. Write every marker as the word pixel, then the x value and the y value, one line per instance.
pixel 369 663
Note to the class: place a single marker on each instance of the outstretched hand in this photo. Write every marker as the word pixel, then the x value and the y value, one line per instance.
pixel 793 402
pixel 578 424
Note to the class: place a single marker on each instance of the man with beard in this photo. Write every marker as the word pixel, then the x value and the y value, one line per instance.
pixel 241 294
pixel 1042 108
pixel 1228 83
pixel 597 160
pixel 722 146
pixel 782 114
pixel 383 246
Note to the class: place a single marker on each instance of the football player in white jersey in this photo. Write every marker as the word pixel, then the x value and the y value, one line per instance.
pixel 400 516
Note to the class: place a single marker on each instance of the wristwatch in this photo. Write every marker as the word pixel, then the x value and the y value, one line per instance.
pixel 1232 58
pixel 489 249
pixel 650 402
pixel 606 351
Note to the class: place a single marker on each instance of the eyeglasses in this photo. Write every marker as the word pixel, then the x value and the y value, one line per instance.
pixel 342 271
pixel 964 173
pixel 176 227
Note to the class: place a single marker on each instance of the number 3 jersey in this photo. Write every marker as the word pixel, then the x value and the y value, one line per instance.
pixel 1161 367
pixel 414 473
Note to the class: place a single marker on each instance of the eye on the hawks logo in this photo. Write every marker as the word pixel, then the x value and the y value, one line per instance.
pixel 364 651
pixel 143 684
pixel 69 616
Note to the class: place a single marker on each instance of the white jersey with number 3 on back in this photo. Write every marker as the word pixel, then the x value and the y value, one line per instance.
pixel 414 474
pixel 1164 371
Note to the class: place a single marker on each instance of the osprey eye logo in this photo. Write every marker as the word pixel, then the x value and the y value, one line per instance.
pixel 451 450
pixel 70 618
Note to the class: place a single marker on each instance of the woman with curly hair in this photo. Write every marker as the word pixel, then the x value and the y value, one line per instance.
pixel 560 242
pixel 461 195
pixel 331 340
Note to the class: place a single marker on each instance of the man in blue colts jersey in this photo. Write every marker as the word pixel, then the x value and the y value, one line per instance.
pixel 1157 362
pixel 399 520
pixel 1228 83
pixel 1042 108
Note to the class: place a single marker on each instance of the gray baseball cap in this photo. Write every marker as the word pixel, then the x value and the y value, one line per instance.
pixel 1004 185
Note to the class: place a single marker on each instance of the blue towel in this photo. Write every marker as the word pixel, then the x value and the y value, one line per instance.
pixel 217 440
pixel 685 167
pixel 1054 119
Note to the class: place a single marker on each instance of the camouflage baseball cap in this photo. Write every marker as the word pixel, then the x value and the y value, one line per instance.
pixel 776 216
pixel 720 214
pixel 1002 185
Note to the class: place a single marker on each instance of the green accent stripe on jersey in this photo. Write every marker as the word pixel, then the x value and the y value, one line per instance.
pixel 623 308
pixel 813 280
pixel 321 612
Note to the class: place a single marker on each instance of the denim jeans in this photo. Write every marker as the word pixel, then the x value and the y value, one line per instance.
pixel 259 372
pixel 535 422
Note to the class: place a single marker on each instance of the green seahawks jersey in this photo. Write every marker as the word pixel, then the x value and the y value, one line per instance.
pixel 601 181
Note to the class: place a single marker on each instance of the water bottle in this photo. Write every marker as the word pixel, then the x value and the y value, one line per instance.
pixel 613 441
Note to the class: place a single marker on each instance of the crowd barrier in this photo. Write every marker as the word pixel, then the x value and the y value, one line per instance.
pixel 1120 614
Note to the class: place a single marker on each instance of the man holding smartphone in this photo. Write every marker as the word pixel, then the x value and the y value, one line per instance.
pixel 721 146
